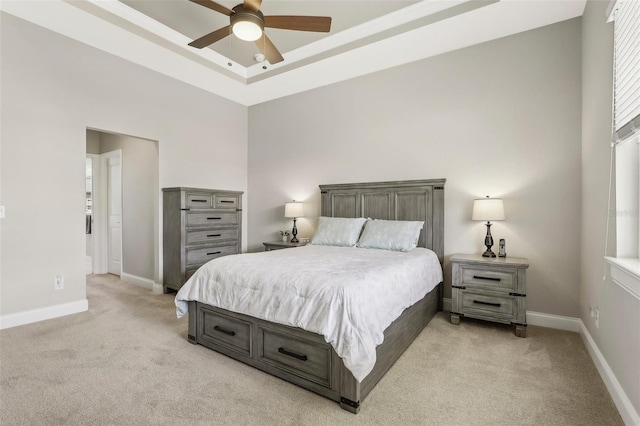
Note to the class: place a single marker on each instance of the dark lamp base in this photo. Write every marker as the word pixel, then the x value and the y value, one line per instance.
pixel 488 242
pixel 294 232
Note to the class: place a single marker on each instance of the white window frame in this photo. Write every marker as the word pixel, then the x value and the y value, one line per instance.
pixel 625 266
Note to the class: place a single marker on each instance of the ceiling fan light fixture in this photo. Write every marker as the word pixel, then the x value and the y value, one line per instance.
pixel 247 30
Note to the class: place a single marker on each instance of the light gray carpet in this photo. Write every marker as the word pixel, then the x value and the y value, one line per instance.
pixel 127 361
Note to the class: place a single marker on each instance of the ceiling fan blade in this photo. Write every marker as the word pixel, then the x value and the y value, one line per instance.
pixel 299 23
pixel 269 50
pixel 253 4
pixel 211 38
pixel 214 6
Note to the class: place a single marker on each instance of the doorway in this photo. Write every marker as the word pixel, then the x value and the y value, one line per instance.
pixel 125 207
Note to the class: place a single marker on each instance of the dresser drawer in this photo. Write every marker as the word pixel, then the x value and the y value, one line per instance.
pixel 311 360
pixel 225 202
pixel 200 256
pixel 496 279
pixel 493 306
pixel 195 200
pixel 189 272
pixel 212 235
pixel 212 218
pixel 226 331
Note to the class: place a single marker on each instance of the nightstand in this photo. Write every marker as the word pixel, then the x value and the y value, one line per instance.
pixel 278 245
pixel 492 289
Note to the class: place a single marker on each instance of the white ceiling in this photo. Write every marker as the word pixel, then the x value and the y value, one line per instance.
pixel 366 36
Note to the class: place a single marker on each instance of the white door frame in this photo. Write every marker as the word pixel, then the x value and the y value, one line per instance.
pixel 101 210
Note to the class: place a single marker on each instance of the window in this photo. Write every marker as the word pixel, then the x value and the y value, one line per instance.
pixel 626 138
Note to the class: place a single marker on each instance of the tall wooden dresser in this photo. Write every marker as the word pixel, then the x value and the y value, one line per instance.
pixel 198 225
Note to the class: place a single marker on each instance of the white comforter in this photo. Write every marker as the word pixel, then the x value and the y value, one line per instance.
pixel 349 295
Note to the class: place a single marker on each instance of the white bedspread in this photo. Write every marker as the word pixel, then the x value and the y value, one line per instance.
pixel 349 295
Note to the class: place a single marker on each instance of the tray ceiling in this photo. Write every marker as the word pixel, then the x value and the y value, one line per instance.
pixel 366 36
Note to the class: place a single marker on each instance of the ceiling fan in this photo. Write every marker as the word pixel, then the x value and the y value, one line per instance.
pixel 248 23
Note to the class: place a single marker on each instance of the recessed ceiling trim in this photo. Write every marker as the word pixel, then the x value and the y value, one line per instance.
pixel 75 23
pixel 145 47
pixel 391 20
pixel 141 20
pixel 444 13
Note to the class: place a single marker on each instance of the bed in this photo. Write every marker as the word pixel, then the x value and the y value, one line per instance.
pixel 304 357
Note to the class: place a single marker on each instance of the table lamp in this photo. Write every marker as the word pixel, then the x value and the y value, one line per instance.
pixel 488 209
pixel 293 210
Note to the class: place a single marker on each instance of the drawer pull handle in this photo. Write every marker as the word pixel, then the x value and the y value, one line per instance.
pixel 214 218
pixel 213 252
pixel 295 355
pixel 478 277
pixel 227 201
pixel 199 201
pixel 480 302
pixel 222 330
pixel 214 235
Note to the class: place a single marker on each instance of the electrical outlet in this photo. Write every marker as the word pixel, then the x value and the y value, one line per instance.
pixel 58 282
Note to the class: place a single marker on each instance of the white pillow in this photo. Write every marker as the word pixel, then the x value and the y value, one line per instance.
pixel 338 231
pixel 398 235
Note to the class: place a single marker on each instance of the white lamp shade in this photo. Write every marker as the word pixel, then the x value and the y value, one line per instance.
pixel 293 210
pixel 488 209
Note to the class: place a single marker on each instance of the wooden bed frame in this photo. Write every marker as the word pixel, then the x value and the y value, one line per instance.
pixel 254 341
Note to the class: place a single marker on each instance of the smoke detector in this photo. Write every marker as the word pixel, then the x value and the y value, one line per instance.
pixel 259 57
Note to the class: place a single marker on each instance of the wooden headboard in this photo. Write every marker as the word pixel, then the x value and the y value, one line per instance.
pixel 401 200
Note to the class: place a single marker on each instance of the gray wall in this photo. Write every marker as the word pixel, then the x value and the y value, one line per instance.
pixel 618 336
pixel 500 119
pixel 53 89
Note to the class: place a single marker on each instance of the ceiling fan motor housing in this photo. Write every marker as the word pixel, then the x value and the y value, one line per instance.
pixel 245 15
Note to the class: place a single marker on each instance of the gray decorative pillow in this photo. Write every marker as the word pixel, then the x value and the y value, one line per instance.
pixel 338 231
pixel 398 235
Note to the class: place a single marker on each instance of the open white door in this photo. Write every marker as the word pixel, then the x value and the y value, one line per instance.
pixel 114 208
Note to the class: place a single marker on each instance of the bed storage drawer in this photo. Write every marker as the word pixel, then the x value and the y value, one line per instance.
pixel 232 333
pixel 305 358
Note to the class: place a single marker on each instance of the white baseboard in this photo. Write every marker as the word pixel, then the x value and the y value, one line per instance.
pixel 142 282
pixel 558 322
pixel 629 415
pixel 50 312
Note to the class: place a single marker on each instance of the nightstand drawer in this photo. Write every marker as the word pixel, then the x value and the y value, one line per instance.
pixel 484 277
pixel 499 307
